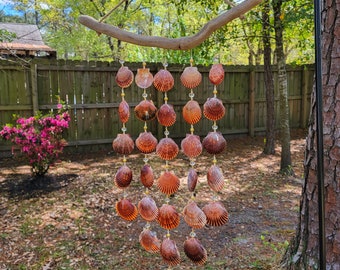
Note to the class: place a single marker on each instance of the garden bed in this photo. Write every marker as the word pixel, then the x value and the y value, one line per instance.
pixel 67 220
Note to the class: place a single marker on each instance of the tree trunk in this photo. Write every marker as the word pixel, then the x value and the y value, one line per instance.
pixel 269 148
pixel 286 161
pixel 303 252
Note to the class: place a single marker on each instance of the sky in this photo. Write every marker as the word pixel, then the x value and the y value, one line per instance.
pixel 7 7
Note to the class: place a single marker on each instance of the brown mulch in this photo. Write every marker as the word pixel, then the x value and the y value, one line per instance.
pixel 67 220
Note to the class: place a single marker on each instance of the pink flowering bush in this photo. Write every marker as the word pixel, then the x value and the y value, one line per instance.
pixel 39 138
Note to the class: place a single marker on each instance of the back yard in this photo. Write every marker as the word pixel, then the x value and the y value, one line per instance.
pixel 68 220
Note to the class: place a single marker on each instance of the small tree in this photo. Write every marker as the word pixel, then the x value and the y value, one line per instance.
pixel 40 138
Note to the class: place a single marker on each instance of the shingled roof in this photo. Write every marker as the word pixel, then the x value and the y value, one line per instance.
pixel 28 40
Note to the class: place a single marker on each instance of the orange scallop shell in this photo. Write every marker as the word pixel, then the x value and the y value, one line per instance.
pixel 167 149
pixel 191 146
pixel 213 109
pixel 148 209
pixel 123 177
pixel 124 77
pixel 145 110
pixel 191 77
pixel 163 80
pixel 124 111
pixel 216 214
pixel 146 142
pixel 192 112
pixel 169 252
pixel 214 143
pixel 123 144
pixel 144 78
pixel 168 218
pixel 126 210
pixel 146 176
pixel 194 216
pixel 166 115
pixel 192 179
pixel 168 183
pixel 216 74
pixel 215 178
pixel 195 251
pixel 149 241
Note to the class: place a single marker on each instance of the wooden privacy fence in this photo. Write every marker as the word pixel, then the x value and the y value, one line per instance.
pixel 90 90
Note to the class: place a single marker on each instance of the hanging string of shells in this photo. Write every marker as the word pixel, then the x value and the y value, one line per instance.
pixel 191 146
pixel 214 143
pixel 124 145
pixel 168 183
pixel 146 143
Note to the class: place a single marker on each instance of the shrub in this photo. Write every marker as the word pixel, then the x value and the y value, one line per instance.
pixel 39 137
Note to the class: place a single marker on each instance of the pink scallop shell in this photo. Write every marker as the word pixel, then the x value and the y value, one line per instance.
pixel 124 77
pixel 146 176
pixel 166 115
pixel 191 146
pixel 123 144
pixel 126 210
pixel 213 109
pixel 191 77
pixel 144 78
pixel 216 74
pixel 195 251
pixel 215 178
pixel 167 149
pixel 163 80
pixel 169 252
pixel 168 183
pixel 216 214
pixel 124 111
pixel 214 143
pixel 123 177
pixel 149 241
pixel 192 112
pixel 146 142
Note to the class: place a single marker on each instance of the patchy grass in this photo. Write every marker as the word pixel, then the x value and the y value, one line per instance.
pixel 68 221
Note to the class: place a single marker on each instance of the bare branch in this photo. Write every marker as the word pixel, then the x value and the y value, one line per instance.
pixel 182 43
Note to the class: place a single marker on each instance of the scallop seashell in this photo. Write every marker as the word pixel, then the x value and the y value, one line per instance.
pixel 163 80
pixel 144 78
pixel 124 111
pixel 124 77
pixel 215 178
pixel 149 241
pixel 126 210
pixel 169 252
pixel 216 74
pixel 123 144
pixel 168 183
pixel 123 177
pixel 191 146
pixel 214 143
pixel 145 110
pixel 148 209
pixel 146 142
pixel 192 112
pixel 213 109
pixel 216 214
pixel 168 218
pixel 166 115
pixel 195 251
pixel 194 216
pixel 192 179
pixel 167 149
pixel 146 176
pixel 191 77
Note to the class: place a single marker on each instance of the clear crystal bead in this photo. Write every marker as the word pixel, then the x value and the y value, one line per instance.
pixel 166 132
pixel 192 234
pixel 192 163
pixel 124 129
pixel 144 95
pixel 191 95
pixel 145 160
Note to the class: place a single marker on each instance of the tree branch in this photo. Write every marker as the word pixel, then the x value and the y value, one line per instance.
pixel 182 43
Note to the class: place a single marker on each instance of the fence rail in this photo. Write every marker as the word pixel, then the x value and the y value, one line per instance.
pixel 93 97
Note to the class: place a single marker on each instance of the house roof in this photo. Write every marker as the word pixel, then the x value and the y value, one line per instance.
pixel 28 38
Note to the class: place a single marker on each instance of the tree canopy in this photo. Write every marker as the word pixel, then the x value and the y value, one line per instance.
pixel 232 44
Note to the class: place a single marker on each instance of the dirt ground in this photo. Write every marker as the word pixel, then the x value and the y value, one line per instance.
pixel 68 220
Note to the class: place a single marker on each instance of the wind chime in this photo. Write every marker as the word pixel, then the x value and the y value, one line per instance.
pixel 214 143
pixel 124 145
pixel 146 143
pixel 192 148
pixel 168 183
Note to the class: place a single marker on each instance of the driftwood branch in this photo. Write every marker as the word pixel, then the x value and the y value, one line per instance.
pixel 182 43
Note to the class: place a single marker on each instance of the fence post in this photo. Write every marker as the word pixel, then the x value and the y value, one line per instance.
pixel 34 84
pixel 251 106
pixel 304 98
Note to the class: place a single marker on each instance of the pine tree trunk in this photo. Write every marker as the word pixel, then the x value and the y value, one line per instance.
pixel 269 148
pixel 303 252
pixel 286 161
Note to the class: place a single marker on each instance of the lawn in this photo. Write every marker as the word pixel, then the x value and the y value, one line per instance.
pixel 68 220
